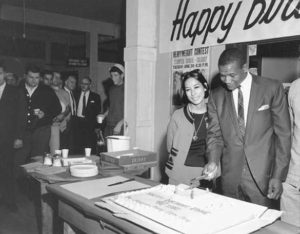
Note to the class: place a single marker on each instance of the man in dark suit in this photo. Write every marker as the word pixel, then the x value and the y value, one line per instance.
pixel 249 126
pixel 9 119
pixel 88 107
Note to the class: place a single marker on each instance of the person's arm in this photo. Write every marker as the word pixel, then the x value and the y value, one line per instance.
pixel 118 127
pixel 282 135
pixel 98 102
pixel 53 106
pixel 96 110
pixel 63 115
pixel 67 102
pixel 105 114
pixel 215 142
pixel 172 128
pixel 20 119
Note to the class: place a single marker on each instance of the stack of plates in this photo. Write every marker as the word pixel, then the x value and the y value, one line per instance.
pixel 84 170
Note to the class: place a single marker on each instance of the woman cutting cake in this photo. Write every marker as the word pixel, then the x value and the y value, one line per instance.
pixel 186 137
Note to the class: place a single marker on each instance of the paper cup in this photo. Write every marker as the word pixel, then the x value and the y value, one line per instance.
pixel 47 161
pixel 65 153
pixel 56 162
pixel 58 152
pixel 87 152
pixel 100 118
pixel 36 111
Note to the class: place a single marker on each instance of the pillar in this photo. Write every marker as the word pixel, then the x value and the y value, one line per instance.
pixel 140 65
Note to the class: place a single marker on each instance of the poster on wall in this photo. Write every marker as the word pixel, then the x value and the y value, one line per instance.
pixel 184 61
pixel 188 24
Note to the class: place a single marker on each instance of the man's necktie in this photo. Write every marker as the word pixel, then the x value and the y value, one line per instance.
pixel 73 103
pixel 241 119
pixel 83 105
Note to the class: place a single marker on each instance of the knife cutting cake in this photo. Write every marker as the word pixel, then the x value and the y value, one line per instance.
pixel 188 210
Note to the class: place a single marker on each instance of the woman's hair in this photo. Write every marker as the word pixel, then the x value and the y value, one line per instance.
pixel 196 74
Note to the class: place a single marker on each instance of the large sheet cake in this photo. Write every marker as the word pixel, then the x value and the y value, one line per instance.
pixel 179 209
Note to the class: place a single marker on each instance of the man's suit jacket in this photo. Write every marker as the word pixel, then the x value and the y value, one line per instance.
pixel 10 117
pixel 93 107
pixel 267 142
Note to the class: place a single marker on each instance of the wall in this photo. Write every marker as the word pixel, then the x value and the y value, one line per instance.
pixel 215 53
pixel 18 65
pixel 43 18
pixel 91 28
pixel 162 106
pixel 282 69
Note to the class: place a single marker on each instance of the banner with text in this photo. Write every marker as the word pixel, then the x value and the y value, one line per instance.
pixel 195 23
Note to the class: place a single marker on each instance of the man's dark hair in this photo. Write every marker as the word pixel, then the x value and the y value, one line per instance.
pixel 58 72
pixel 232 55
pixel 87 78
pixel 47 72
pixel 71 76
pixel 33 69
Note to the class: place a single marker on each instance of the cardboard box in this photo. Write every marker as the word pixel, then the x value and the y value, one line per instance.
pixel 128 157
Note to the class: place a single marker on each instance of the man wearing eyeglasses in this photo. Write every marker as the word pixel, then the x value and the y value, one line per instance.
pixel 88 107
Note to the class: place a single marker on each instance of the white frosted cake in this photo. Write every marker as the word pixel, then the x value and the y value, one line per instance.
pixel 188 211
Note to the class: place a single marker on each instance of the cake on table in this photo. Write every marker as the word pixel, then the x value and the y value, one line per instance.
pixel 185 210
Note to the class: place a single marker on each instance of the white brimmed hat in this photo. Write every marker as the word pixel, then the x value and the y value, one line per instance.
pixel 119 66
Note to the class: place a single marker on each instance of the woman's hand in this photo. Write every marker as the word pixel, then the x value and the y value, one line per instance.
pixel 194 183
pixel 210 170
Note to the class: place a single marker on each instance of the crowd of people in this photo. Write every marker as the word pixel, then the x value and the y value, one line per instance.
pixel 43 113
pixel 242 137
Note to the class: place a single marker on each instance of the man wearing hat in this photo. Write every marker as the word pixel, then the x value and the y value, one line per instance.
pixel 115 113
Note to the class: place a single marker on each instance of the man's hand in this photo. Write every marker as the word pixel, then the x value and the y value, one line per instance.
pixel 40 114
pixel 210 170
pixel 275 189
pixel 59 118
pixel 18 143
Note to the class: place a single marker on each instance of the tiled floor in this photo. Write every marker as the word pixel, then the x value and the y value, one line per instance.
pixel 21 222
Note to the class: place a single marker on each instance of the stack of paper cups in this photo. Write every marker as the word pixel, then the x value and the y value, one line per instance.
pixel 65 153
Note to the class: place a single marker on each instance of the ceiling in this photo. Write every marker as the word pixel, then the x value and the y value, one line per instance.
pixel 111 11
